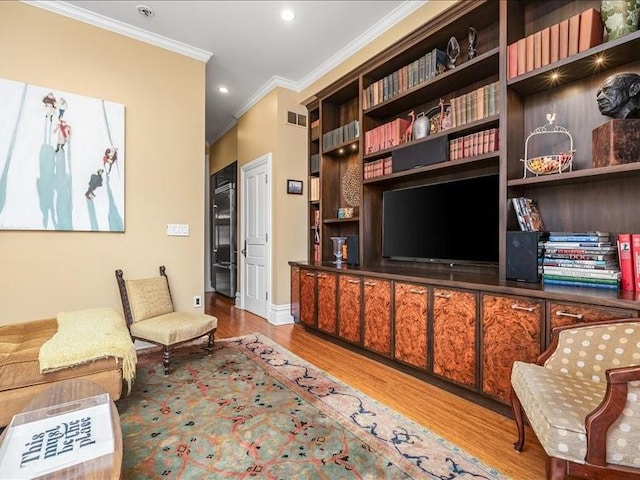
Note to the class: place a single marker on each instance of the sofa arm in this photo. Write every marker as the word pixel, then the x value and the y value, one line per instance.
pixel 598 422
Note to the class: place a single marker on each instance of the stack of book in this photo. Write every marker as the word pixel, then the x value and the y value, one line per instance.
pixel 580 259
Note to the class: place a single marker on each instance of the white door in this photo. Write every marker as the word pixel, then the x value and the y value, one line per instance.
pixel 256 221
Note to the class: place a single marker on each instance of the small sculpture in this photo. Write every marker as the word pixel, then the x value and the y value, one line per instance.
pixel 619 96
pixel 407 136
pixel 473 42
pixel 453 51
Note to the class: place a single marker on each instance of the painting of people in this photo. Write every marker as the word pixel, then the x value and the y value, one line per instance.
pixel 62 160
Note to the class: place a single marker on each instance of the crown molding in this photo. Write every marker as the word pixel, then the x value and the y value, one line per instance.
pixel 100 21
pixel 273 82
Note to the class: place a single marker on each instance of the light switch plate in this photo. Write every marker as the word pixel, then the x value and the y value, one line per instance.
pixel 178 229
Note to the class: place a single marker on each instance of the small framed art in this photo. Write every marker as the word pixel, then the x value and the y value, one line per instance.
pixel 294 187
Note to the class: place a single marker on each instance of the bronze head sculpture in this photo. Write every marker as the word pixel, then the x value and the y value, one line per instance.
pixel 619 96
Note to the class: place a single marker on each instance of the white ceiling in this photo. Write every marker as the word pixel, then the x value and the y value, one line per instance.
pixel 246 45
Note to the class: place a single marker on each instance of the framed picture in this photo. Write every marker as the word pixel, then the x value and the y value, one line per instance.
pixel 294 187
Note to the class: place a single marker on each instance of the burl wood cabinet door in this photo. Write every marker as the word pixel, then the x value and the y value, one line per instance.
pixel 511 330
pixel 454 335
pixel 410 325
pixel 561 314
pixel 349 308
pixel 327 320
pixel 377 315
pixel 295 294
pixel 308 298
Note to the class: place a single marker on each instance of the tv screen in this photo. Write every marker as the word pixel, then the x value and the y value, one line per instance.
pixel 452 221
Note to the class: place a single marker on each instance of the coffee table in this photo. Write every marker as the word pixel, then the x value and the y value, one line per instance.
pixel 107 467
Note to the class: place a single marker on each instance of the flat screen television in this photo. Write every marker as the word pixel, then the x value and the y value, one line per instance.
pixel 450 222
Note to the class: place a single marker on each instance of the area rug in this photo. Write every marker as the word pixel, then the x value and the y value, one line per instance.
pixel 253 410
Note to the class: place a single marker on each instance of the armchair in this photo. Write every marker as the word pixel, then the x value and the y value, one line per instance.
pixel 582 400
pixel 148 310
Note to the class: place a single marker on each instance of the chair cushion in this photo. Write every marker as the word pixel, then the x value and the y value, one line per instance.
pixel 174 327
pixel 556 405
pixel 149 297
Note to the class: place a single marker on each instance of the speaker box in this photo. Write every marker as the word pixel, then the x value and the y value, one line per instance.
pixel 353 249
pixel 522 256
pixel 425 152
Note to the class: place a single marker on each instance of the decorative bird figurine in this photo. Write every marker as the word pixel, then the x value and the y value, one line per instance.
pixel 551 118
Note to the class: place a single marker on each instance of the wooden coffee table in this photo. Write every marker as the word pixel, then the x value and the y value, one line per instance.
pixel 107 467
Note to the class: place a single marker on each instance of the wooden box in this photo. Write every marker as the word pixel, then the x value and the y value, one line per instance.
pixel 616 142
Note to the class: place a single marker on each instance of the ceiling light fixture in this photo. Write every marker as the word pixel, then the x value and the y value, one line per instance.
pixel 287 15
pixel 145 11
pixel 223 89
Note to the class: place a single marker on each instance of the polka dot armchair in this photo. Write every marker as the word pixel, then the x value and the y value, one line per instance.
pixel 582 399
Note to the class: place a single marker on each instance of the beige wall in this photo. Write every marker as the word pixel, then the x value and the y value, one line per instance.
pixel 47 272
pixel 224 151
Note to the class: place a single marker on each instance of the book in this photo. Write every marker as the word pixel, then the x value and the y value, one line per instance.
pixel 574 34
pixel 583 256
pixel 590 264
pixel 519 215
pixel 513 60
pixel 626 261
pixel 563 40
pixel 583 272
pixel 545 54
pixel 554 43
pixel 537 50
pixel 612 281
pixel 584 250
pixel 576 244
pixel 578 237
pixel 635 254
pixel 591 29
pixel 534 213
pixel 528 56
pixel 570 283
pixel 522 56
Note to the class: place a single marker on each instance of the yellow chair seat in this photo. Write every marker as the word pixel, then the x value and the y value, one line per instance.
pixel 174 327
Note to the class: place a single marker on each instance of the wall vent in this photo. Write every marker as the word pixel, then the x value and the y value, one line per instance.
pixel 294 118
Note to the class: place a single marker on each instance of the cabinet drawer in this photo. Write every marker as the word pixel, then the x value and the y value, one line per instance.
pixel 410 325
pixel 561 314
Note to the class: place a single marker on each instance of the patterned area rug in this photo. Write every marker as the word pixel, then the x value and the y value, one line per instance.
pixel 254 410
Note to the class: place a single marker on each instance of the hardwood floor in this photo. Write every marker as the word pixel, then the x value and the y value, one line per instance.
pixel 481 432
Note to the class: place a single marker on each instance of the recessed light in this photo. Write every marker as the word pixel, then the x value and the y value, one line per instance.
pixel 287 15
pixel 145 11
pixel 223 89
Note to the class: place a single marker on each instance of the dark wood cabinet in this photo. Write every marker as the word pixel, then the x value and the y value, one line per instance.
pixel 349 308
pixel 308 298
pixel 377 315
pixel 454 335
pixel 327 308
pixel 295 294
pixel 410 324
pixel 511 330
pixel 561 313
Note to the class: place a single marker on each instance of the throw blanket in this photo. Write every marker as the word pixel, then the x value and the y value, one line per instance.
pixel 87 335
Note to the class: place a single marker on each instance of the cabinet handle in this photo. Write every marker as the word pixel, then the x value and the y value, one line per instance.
pixel 578 316
pixel 417 291
pixel 309 274
pixel 322 275
pixel 370 284
pixel 515 306
pixel 442 295
pixel 353 281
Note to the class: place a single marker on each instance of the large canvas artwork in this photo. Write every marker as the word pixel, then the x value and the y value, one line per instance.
pixel 61 160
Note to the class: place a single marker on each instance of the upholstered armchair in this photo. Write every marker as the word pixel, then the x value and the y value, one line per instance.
pixel 582 400
pixel 148 310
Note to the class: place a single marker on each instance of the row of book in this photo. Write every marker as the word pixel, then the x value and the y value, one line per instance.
pixel 569 37
pixel 314 189
pixel 316 235
pixel 629 256
pixel 407 77
pixel 474 144
pixel 342 134
pixel 378 168
pixel 315 129
pixel 528 214
pixel 314 163
pixel 475 105
pixel 387 135
pixel 580 259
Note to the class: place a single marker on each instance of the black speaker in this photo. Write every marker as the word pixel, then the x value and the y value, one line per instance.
pixel 522 256
pixel 353 249
pixel 426 152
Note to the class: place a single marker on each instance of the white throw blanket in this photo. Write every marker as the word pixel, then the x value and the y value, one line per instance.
pixel 87 335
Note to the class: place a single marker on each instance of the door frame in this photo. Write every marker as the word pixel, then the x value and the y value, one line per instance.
pixel 258 162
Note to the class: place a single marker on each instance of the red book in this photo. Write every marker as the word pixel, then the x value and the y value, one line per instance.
pixel 513 60
pixel 546 47
pixel 635 253
pixel 590 29
pixel 626 261
pixel 574 34
pixel 554 43
pixel 522 56
pixel 537 50
pixel 528 56
pixel 563 41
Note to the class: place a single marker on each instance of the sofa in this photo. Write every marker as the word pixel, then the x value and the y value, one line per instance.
pixel 20 373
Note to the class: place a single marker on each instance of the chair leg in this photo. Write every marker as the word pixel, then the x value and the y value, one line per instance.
pixel 210 344
pixel 166 359
pixel 519 418
pixel 556 469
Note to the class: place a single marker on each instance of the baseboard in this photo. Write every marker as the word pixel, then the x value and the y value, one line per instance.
pixel 280 314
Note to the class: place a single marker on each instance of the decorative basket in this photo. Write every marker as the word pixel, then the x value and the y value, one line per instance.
pixel 552 163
